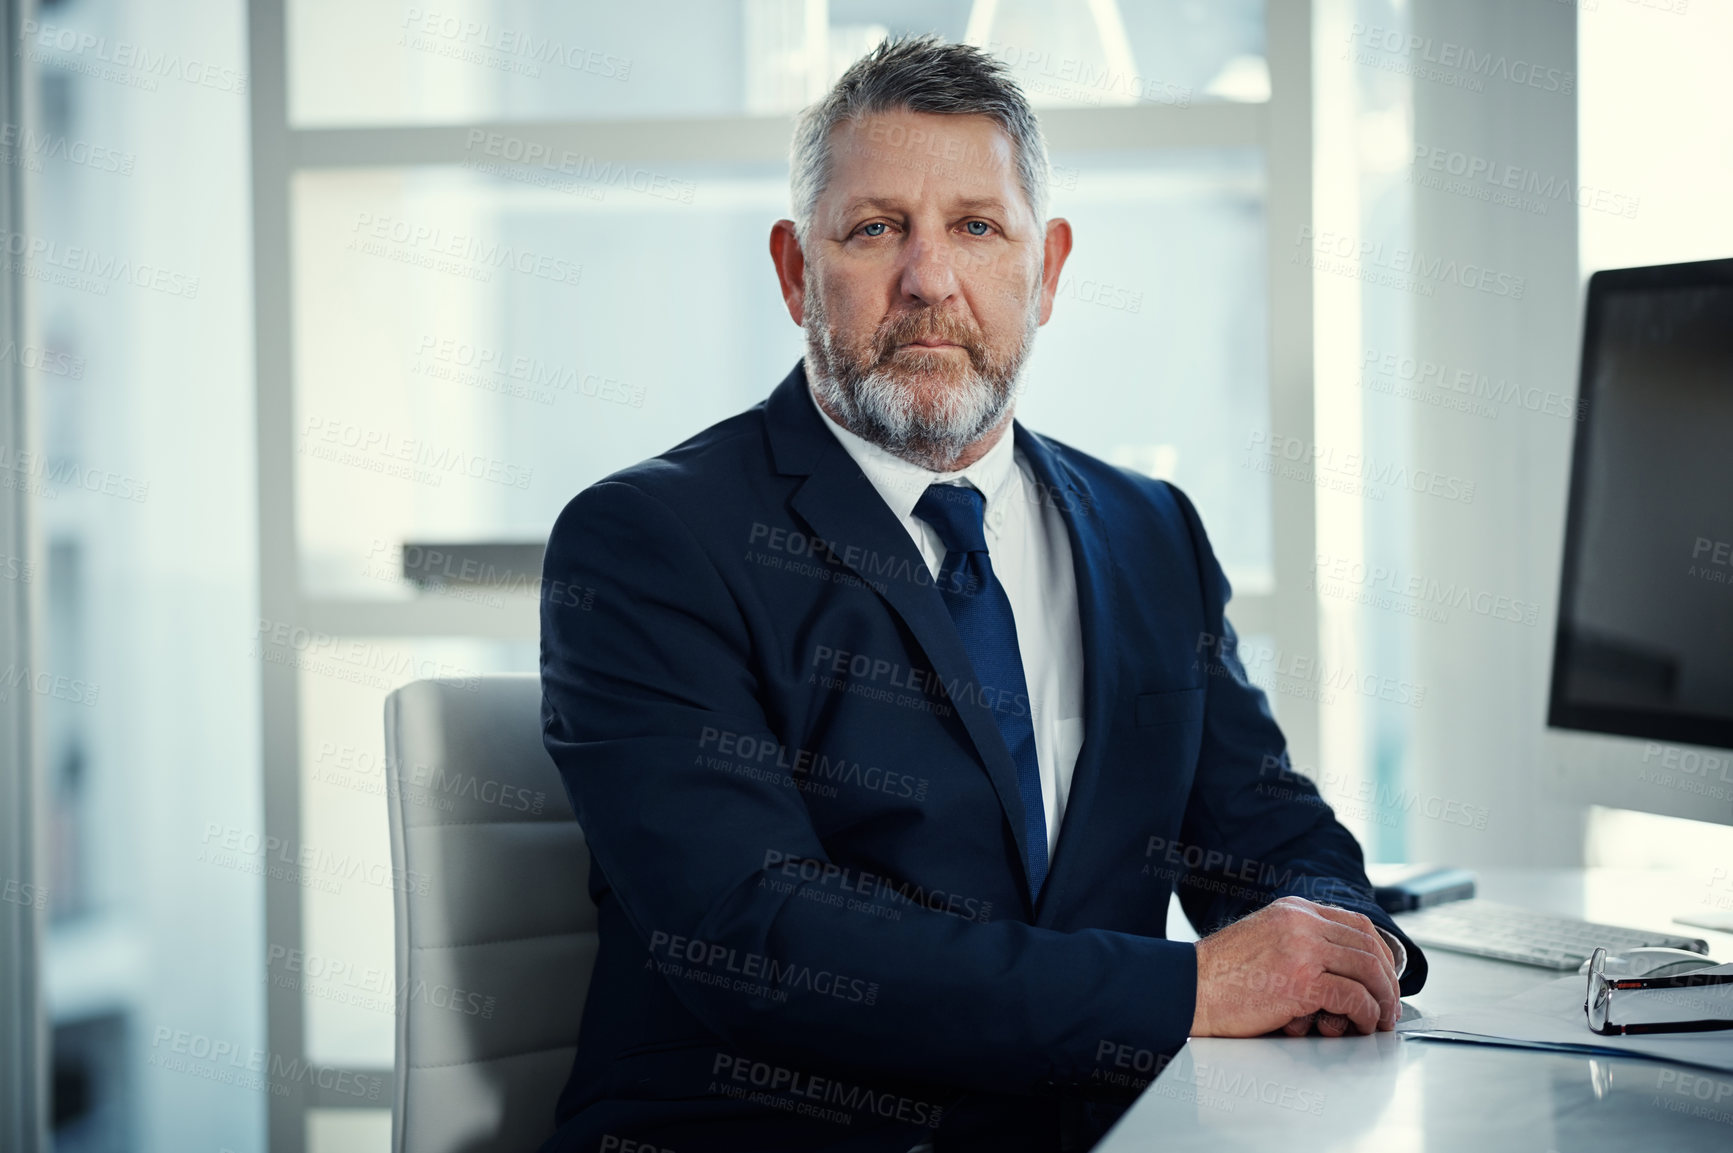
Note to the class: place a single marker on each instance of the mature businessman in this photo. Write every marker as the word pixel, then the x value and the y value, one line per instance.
pixel 892 725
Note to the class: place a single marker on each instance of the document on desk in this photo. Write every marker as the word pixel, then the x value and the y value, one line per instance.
pixel 1551 1017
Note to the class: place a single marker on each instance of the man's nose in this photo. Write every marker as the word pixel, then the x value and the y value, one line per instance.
pixel 930 274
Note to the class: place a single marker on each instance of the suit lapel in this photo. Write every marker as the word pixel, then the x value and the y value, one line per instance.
pixel 842 507
pixel 1092 559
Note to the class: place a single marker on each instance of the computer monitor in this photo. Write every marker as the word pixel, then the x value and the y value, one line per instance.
pixel 1644 642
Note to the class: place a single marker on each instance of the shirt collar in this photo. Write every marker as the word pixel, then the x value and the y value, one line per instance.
pixel 901 483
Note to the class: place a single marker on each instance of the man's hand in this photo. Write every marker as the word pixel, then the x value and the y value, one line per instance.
pixel 1289 964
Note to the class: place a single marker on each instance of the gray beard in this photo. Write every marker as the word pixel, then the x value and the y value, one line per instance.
pixel 878 403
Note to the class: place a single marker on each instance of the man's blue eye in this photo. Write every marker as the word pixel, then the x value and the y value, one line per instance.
pixel 867 228
pixel 977 227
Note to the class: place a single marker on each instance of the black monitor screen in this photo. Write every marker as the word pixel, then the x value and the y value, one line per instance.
pixel 1645 632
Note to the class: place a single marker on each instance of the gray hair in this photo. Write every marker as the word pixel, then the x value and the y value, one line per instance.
pixel 917 74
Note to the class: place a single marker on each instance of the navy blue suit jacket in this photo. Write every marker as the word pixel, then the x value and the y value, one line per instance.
pixel 816 930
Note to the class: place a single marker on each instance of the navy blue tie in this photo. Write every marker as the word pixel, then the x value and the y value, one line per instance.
pixel 982 613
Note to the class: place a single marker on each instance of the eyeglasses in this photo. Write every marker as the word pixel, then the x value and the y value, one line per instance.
pixel 1599 1005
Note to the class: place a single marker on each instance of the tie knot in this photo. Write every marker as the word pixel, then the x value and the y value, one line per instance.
pixel 956 513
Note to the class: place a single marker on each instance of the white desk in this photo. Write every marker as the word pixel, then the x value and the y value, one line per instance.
pixel 1386 1094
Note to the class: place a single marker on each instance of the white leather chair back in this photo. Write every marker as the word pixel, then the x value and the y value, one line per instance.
pixel 496 935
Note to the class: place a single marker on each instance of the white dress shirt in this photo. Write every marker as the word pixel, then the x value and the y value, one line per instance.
pixel 1031 554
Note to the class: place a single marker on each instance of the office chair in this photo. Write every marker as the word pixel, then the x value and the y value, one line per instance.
pixel 496 935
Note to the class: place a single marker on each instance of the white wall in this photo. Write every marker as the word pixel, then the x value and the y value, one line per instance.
pixel 1481 737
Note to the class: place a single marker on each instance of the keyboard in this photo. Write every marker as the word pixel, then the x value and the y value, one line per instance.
pixel 1507 933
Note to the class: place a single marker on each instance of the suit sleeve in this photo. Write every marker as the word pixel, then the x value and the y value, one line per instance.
pixel 656 654
pixel 1254 829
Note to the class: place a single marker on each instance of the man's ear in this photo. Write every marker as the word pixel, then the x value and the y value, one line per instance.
pixel 1056 248
pixel 790 264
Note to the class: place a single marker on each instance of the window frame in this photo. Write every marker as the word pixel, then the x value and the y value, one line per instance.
pixel 24 1047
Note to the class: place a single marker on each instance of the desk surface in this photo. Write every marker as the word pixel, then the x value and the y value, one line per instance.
pixel 1387 1093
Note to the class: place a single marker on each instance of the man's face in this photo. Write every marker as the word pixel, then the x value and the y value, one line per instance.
pixel 923 282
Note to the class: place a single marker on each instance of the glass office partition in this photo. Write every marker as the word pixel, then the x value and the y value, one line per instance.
pixel 472 350
pixel 133 264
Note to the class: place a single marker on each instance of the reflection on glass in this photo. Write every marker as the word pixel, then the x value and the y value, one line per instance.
pixel 478 60
pixel 1103 54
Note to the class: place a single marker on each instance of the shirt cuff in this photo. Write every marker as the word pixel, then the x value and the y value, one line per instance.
pixel 1397 949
